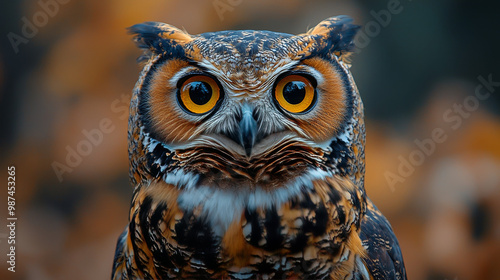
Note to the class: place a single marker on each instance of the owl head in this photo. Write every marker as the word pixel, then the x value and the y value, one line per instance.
pixel 245 109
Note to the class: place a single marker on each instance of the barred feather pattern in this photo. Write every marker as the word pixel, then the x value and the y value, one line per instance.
pixel 314 235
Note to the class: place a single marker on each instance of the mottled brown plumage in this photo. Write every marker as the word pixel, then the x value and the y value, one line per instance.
pixel 247 157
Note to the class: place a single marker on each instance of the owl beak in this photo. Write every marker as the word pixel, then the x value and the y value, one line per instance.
pixel 248 129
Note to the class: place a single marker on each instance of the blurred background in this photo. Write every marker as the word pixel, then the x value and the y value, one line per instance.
pixel 67 65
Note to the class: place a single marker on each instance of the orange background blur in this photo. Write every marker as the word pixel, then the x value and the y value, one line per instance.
pixel 413 70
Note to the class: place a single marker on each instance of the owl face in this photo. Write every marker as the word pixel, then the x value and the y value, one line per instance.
pixel 254 107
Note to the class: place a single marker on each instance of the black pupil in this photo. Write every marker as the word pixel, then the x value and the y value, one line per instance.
pixel 294 92
pixel 200 92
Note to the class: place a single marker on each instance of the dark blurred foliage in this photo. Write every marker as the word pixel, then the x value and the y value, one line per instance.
pixel 426 43
pixel 80 68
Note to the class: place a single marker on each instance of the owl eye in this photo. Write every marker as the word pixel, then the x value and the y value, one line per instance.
pixel 199 94
pixel 295 94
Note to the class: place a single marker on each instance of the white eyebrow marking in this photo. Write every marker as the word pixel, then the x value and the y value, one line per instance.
pixel 313 71
pixel 181 73
pixel 257 81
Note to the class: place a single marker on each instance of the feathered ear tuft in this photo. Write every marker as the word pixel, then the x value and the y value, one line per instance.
pixel 158 38
pixel 336 34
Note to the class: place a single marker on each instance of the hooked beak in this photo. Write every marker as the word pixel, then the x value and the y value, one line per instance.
pixel 247 129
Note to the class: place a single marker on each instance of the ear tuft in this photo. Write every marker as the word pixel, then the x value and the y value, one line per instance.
pixel 156 37
pixel 337 32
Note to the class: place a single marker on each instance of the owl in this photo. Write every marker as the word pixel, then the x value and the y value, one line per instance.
pixel 246 155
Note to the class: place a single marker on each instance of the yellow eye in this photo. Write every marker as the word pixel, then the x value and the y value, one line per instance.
pixel 199 94
pixel 295 94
